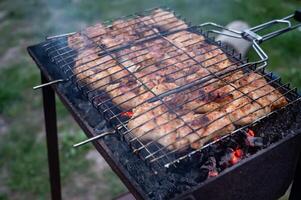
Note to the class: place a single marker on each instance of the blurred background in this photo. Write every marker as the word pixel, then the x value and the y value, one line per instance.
pixel 23 161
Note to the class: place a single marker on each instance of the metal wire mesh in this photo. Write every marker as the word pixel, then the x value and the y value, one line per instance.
pixel 119 67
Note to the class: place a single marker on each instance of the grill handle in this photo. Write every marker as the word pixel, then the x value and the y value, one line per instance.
pixel 292 22
pixel 297 15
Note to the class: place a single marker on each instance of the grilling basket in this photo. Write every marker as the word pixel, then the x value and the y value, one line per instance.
pixel 59 50
pixel 73 51
pixel 199 116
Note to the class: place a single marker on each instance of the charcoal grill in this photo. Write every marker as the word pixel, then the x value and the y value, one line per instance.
pixel 55 60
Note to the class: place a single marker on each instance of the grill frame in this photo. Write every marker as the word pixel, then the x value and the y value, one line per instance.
pixel 202 188
pixel 45 66
pixel 122 129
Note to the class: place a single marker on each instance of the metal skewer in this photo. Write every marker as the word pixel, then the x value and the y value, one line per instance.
pixel 58 36
pixel 93 138
pixel 49 83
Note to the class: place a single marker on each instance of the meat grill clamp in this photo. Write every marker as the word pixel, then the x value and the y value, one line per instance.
pixel 249 35
pixel 49 112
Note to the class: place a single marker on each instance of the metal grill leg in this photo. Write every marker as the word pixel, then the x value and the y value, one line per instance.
pixel 52 140
pixel 295 191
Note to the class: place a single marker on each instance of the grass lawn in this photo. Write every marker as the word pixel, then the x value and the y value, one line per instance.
pixel 23 162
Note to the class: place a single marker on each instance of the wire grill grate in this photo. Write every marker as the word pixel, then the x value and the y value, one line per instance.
pixel 91 56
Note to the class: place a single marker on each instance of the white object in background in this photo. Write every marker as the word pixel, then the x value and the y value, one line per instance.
pixel 241 46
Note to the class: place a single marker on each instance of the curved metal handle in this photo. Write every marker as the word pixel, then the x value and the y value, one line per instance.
pixel 292 22
pixel 94 138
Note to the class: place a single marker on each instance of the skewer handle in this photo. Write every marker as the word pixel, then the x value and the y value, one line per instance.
pixel 49 83
pixel 93 138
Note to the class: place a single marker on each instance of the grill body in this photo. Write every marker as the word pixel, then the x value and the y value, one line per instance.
pixel 264 175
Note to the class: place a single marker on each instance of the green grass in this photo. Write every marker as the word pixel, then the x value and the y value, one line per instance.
pixel 114 186
pixel 22 148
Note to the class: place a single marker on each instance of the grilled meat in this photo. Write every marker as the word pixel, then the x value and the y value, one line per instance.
pixel 177 129
pixel 141 70
pixel 258 89
pixel 255 99
pixel 152 122
pixel 92 69
pixel 167 21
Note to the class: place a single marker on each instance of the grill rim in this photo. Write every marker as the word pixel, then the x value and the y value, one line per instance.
pixel 36 59
pixel 44 65
pixel 223 47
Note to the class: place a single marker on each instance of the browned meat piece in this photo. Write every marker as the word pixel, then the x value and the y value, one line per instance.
pixel 212 58
pixel 155 122
pixel 186 39
pixel 242 110
pixel 258 89
pixel 208 56
pixel 132 29
pixel 92 69
pixel 210 97
pixel 95 33
pixel 76 41
pixel 167 21
pixel 123 70
pixel 208 126
pixel 234 77
pixel 128 94
pixel 91 35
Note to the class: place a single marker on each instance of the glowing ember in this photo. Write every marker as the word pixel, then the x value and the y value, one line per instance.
pixel 127 114
pixel 251 133
pixel 212 173
pixel 236 156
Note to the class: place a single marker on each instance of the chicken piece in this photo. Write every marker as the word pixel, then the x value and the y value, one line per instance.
pixel 132 29
pixel 77 41
pixel 95 33
pixel 167 21
pixel 137 58
pixel 243 110
pixel 208 126
pixel 210 97
pixel 209 56
pixel 128 94
pixel 91 35
pixel 163 87
pixel 152 122
pixel 204 58
pixel 234 77
pixel 176 129
pixel 91 69
pixel 214 59
pixel 185 39
pixel 121 71
pixel 258 89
